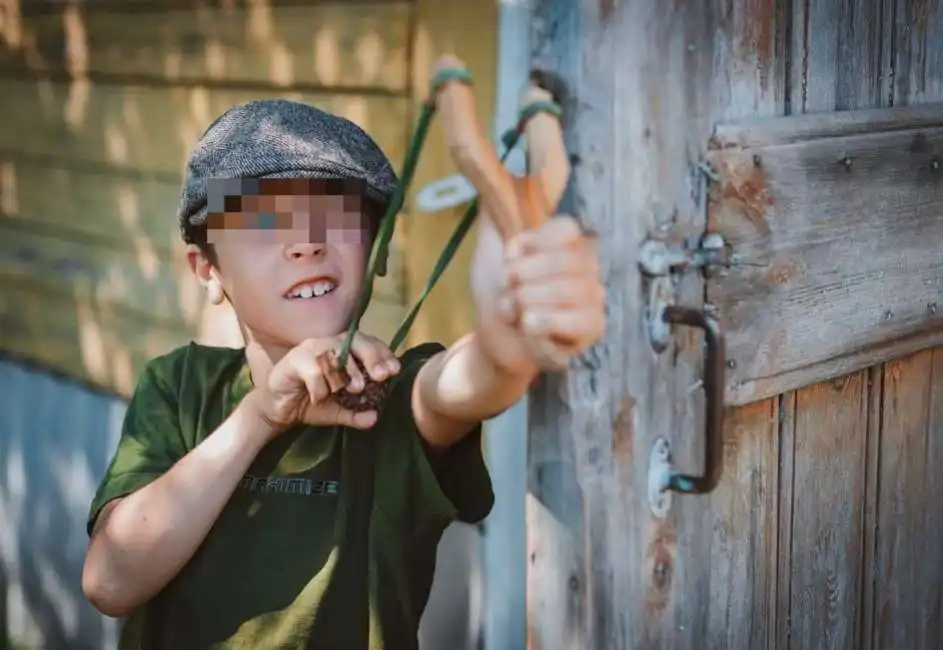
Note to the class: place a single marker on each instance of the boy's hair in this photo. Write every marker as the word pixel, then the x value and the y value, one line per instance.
pixel 281 139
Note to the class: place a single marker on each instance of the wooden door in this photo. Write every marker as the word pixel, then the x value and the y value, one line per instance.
pixel 804 133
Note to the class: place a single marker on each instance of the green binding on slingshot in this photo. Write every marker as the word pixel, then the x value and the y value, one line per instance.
pixel 511 136
pixel 381 244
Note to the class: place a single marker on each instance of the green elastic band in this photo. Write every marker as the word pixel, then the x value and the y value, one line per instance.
pixel 451 247
pixel 446 75
pixel 511 136
pixel 542 106
pixel 381 245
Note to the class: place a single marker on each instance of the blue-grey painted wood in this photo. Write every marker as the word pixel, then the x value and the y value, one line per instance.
pixel 56 437
pixel 504 552
pixel 504 614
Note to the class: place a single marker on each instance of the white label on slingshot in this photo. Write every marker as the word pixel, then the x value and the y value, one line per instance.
pixel 456 190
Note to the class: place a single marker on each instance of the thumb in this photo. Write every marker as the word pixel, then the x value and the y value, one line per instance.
pixel 332 413
pixel 362 420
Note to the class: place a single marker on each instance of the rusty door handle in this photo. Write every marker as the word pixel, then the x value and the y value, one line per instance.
pixel 663 475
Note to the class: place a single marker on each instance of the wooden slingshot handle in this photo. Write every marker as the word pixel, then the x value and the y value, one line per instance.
pixel 513 203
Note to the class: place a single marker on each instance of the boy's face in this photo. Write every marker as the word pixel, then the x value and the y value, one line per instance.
pixel 292 265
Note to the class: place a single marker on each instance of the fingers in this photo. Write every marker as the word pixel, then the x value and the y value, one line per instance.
pixel 571 327
pixel 563 292
pixel 554 290
pixel 305 369
pixel 357 380
pixel 553 257
pixel 576 296
pixel 331 413
pixel 559 232
pixel 376 357
pixel 348 418
pixel 331 371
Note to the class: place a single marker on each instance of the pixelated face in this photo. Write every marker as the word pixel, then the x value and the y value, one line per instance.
pixel 286 211
pixel 291 254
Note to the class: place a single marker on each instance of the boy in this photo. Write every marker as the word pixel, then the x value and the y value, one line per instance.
pixel 244 508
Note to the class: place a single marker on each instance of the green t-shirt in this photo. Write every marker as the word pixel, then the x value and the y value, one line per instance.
pixel 330 539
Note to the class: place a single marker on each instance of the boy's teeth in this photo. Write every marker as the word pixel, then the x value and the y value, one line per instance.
pixel 316 289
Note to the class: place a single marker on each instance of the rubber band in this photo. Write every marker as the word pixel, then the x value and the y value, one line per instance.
pixel 381 245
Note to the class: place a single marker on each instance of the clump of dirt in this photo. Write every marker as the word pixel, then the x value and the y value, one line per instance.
pixel 371 398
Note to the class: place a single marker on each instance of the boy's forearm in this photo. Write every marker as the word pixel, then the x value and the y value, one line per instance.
pixel 466 385
pixel 144 541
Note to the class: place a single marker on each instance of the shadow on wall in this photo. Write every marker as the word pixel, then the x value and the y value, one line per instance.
pixel 56 437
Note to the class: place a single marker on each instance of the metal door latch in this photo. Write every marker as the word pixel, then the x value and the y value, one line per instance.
pixel 659 261
pixel 660 258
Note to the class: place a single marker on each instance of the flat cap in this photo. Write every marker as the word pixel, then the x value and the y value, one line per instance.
pixel 279 138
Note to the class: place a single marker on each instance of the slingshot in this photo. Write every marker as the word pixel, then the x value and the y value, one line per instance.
pixel 513 203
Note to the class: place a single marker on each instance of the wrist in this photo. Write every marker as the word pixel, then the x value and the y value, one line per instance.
pixel 258 426
pixel 504 348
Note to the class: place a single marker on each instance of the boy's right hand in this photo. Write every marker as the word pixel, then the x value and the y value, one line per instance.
pixel 299 387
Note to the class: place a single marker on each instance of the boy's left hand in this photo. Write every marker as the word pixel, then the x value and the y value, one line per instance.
pixel 553 294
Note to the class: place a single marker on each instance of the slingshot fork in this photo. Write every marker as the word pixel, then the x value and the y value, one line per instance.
pixel 512 203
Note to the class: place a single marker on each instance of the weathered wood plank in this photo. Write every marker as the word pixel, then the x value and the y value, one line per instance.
pixel 112 273
pixel 844 54
pixel 906 599
pixel 603 571
pixel 672 583
pixel 779 636
pixel 97 201
pixel 918 65
pixel 769 131
pixel 341 46
pixel 724 586
pixel 154 129
pixel 870 500
pixel 836 263
pixel 565 603
pixel 930 557
pixel 827 526
pixel 105 346
pixel 744 539
pixel 844 50
pixel 909 584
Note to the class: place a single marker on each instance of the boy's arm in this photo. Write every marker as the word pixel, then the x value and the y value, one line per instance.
pixel 457 389
pixel 551 276
pixel 141 541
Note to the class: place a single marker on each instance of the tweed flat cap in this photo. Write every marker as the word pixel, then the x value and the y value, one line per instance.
pixel 278 138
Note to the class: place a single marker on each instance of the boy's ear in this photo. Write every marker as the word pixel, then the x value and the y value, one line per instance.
pixel 206 273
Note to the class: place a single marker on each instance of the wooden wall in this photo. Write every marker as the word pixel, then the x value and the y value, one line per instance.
pixel 825 529
pixel 102 101
pixel 835 485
